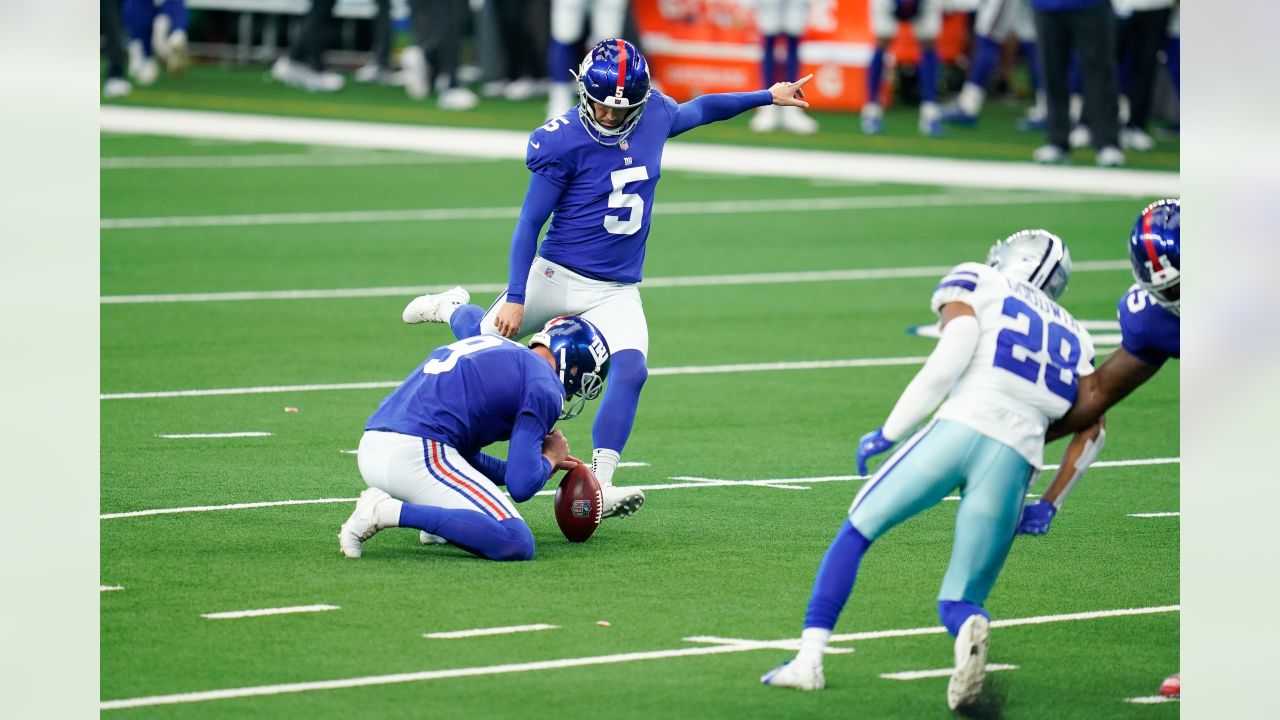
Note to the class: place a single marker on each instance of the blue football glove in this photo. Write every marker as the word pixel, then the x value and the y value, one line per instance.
pixel 871 444
pixel 1036 518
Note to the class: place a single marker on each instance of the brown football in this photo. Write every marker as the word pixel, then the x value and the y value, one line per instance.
pixel 578 504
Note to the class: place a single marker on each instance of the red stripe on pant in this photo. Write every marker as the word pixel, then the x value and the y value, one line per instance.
pixel 438 463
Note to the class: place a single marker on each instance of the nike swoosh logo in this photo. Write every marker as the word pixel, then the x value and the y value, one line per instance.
pixel 535 145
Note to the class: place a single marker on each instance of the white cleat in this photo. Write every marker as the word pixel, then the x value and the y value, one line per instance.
pixel 116 88
pixel 766 119
pixel 797 674
pixel 458 99
pixel 621 501
pixel 431 308
pixel 427 538
pixel 413 70
pixel 363 522
pixel 971 662
pixel 1136 139
pixel 797 122
pixel 1110 156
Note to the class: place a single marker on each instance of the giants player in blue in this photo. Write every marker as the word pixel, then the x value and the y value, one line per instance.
pixel 596 168
pixel 421 451
pixel 1008 364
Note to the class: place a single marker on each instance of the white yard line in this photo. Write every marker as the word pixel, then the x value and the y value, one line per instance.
pixel 192 436
pixel 109 588
pixel 712 207
pixel 236 614
pixel 633 464
pixel 1151 700
pixel 687 483
pixel 725 159
pixel 328 159
pixel 408 291
pixel 483 632
pixel 940 672
pixel 734 646
pixel 1156 515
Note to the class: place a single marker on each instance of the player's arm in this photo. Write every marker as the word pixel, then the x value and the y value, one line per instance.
pixel 930 386
pixel 722 106
pixel 532 455
pixel 494 468
pixel 539 202
pixel 1081 452
pixel 1119 375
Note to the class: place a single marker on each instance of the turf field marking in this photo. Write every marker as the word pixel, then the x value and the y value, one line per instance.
pixel 1156 515
pixel 710 207
pixel 633 464
pixel 941 672
pixel 201 162
pixel 723 646
pixel 1151 700
pixel 930 272
pixel 191 436
pixel 236 614
pixel 481 632
pixel 688 482
pixel 109 588
pixel 697 157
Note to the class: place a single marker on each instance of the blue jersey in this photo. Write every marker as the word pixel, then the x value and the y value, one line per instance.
pixel 469 394
pixel 1148 331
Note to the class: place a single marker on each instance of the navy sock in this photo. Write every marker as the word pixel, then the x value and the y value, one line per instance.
pixel 465 321
pixel 836 575
pixel 793 58
pixel 929 75
pixel 769 68
pixel 560 60
pixel 1173 60
pixel 1028 50
pixel 627 373
pixel 985 57
pixel 955 612
pixel 138 15
pixel 472 531
pixel 1075 78
pixel 177 12
pixel 875 71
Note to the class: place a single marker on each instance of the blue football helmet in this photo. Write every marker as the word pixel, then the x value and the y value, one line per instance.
pixel 1155 251
pixel 1037 257
pixel 614 74
pixel 582 359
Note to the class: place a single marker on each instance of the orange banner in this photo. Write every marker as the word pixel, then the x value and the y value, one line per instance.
pixel 696 47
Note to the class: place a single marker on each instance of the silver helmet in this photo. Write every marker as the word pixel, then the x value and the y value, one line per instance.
pixel 1037 257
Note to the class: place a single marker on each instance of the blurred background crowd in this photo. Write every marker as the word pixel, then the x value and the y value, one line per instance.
pixel 1091 73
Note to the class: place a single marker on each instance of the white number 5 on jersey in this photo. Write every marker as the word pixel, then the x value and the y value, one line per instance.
pixel 627 201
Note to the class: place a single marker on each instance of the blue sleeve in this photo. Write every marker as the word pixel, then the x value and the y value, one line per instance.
pixel 539 201
pixel 491 467
pixel 1136 334
pixel 527 470
pixel 720 106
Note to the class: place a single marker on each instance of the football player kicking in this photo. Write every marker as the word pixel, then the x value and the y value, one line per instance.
pixel 1008 362
pixel 596 167
pixel 421 451
pixel 1150 322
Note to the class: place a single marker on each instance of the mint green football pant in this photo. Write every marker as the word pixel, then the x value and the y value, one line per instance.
pixel 943 456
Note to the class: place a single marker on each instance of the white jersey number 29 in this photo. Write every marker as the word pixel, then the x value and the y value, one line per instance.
pixel 631 202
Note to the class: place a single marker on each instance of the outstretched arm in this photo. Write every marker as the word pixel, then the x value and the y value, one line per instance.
pixel 722 106
pixel 1112 382
pixel 539 202
pixel 1081 452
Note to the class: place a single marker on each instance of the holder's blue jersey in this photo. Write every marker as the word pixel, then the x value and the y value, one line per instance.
pixel 1148 331
pixel 469 394
pixel 602 220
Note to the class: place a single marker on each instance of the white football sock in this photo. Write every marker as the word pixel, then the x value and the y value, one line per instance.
pixel 388 513
pixel 970 99
pixel 446 311
pixel 603 463
pixel 813 641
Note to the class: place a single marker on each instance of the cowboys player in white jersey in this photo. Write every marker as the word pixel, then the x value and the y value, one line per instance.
pixel 1008 364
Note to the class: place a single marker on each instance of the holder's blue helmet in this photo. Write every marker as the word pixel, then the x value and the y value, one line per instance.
pixel 613 74
pixel 1155 251
pixel 1037 256
pixel 582 359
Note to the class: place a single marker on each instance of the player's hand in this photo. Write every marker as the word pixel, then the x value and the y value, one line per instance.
pixel 870 445
pixel 509 319
pixel 555 448
pixel 1036 518
pixel 790 93
pixel 570 462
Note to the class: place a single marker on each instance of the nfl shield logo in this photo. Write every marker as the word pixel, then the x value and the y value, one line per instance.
pixel 581 508
pixel 624 144
pixel 549 272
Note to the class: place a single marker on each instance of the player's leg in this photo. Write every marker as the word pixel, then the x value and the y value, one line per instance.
pixel 996 480
pixel 917 476
pixel 567 18
pixel 1095 34
pixel 1024 29
pixel 619 315
pixel 795 18
pixel 927 25
pixel 989 28
pixel 171 32
pixel 769 23
pixel 607 19
pixel 1054 41
pixel 885 27
pixel 138 17
pixel 427 485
